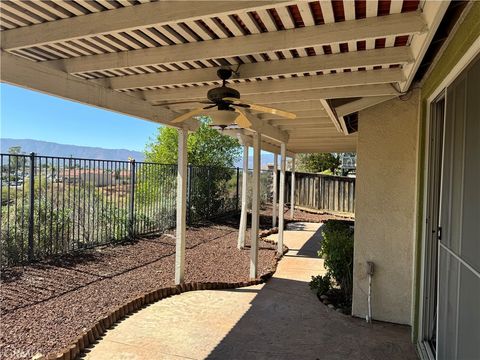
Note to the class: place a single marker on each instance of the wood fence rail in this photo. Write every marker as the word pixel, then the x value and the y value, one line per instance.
pixel 322 192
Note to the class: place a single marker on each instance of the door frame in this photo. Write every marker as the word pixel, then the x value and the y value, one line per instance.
pixel 435 129
pixel 469 56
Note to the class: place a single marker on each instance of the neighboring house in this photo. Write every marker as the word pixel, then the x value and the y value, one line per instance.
pixel 98 177
pixel 348 163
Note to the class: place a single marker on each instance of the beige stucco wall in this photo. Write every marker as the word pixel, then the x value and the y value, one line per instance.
pixel 385 208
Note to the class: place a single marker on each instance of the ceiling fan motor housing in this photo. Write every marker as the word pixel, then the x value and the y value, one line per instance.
pixel 217 95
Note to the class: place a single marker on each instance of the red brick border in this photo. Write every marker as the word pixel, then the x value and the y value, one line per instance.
pixel 95 333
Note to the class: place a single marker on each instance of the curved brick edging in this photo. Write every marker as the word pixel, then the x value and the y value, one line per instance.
pixel 97 331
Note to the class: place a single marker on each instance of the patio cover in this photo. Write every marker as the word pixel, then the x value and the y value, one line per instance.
pixel 322 60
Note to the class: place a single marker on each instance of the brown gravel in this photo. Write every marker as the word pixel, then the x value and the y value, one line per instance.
pixel 45 306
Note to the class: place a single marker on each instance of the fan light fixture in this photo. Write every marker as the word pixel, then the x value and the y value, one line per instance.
pixel 229 107
pixel 223 118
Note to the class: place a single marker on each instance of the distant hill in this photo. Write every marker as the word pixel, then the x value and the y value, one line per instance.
pixel 267 158
pixel 63 150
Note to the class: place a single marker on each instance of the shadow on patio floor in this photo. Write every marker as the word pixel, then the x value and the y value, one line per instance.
pixel 286 322
pixel 282 319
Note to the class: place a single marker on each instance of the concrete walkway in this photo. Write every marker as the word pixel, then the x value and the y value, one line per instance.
pixel 278 320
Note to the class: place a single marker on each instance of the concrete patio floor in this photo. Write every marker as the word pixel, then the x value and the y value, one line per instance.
pixel 279 320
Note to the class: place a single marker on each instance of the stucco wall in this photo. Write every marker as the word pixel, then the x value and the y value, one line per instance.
pixel 385 208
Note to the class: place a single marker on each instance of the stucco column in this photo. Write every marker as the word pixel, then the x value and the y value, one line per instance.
pixel 244 211
pixel 182 173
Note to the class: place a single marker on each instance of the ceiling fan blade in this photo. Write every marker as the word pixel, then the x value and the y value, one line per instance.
pixel 209 106
pixel 261 108
pixel 242 120
pixel 187 116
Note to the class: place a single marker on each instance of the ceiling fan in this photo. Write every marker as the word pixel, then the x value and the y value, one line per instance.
pixel 229 107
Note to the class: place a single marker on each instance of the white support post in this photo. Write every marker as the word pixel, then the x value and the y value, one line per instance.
pixel 257 139
pixel 292 195
pixel 281 199
pixel 182 173
pixel 244 211
pixel 275 195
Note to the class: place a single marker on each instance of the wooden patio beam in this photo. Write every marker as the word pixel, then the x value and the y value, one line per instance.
pixel 306 95
pixel 375 27
pixel 394 55
pixel 360 78
pixel 360 104
pixel 36 76
pixel 127 18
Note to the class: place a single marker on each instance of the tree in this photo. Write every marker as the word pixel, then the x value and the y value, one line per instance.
pixel 206 146
pixel 318 162
pixel 16 161
pixel 211 178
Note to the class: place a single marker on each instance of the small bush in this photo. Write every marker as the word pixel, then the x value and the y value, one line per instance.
pixel 320 284
pixel 337 251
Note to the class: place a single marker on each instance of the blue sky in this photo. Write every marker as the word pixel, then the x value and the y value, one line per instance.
pixel 28 114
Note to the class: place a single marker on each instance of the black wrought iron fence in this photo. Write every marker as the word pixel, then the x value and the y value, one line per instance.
pixel 54 205
pixel 266 187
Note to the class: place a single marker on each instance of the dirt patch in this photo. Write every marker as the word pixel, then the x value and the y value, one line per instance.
pixel 45 306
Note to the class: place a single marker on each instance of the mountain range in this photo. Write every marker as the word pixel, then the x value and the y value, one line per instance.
pixel 64 150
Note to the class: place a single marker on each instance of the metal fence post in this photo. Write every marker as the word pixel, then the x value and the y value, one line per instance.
pixel 31 215
pixel 238 179
pixel 131 215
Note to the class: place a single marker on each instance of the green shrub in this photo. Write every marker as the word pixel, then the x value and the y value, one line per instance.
pixel 320 284
pixel 337 252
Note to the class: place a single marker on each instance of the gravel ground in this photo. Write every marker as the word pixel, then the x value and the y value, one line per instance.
pixel 46 305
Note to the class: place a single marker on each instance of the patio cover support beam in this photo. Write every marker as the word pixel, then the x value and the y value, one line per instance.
pixel 275 195
pixel 281 200
pixel 244 209
pixel 306 95
pixel 245 136
pixel 358 78
pixel 301 121
pixel 361 104
pixel 36 76
pixel 374 27
pixel 306 114
pixel 266 129
pixel 182 173
pixel 432 12
pixel 292 194
pixel 257 140
pixel 393 55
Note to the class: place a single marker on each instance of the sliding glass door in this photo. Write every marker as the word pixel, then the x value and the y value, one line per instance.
pixel 458 318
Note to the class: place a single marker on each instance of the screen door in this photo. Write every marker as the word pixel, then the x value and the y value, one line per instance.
pixel 458 318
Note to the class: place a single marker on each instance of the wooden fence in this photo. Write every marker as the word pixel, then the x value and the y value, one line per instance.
pixel 322 192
